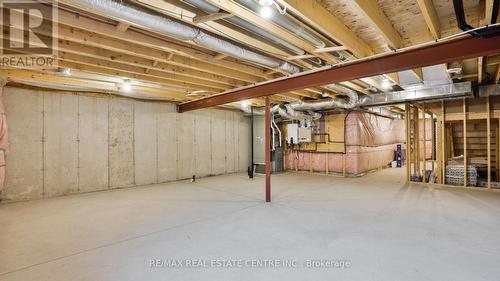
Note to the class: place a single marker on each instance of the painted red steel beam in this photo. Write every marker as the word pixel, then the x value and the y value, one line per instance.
pixel 268 149
pixel 443 52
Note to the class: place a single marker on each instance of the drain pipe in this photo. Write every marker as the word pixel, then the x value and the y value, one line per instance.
pixel 458 5
pixel 279 131
pixel 150 20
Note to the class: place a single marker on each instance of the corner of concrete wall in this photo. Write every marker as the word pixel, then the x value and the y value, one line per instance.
pixel 62 143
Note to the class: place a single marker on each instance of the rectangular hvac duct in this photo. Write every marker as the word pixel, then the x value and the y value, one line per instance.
pixel 420 93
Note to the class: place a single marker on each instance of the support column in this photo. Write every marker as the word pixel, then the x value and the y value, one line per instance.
pixel 3 134
pixel 268 150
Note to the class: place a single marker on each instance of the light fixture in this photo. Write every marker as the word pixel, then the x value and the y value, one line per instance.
pixel 267 11
pixel 63 72
pixel 245 103
pixel 196 93
pixel 266 2
pixel 454 68
pixel 386 84
pixel 126 86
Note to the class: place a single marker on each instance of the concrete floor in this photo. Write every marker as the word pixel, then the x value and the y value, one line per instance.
pixel 386 230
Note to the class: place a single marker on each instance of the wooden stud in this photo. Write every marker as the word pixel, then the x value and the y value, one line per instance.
pixel 408 142
pixel 343 165
pixel 443 144
pixel 311 162
pixel 488 145
pixel 424 176
pixel 464 101
pixel 296 161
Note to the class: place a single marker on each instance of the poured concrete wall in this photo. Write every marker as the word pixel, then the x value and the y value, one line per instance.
pixel 69 143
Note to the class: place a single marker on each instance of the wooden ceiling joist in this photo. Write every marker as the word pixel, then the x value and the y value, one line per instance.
pixel 321 19
pixel 85 83
pixel 469 47
pixel 372 11
pixel 136 38
pixel 210 17
pixel 243 13
pixel 430 16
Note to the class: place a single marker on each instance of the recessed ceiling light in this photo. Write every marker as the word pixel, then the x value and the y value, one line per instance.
pixel 266 12
pixel 126 86
pixel 386 84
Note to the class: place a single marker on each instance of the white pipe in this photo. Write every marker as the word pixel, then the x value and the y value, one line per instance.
pixel 279 131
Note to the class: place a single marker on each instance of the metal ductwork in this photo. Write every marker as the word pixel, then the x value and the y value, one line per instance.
pixel 295 110
pixel 285 22
pixel 156 22
pixel 209 8
pixel 419 93
pixel 351 102
pixel 286 112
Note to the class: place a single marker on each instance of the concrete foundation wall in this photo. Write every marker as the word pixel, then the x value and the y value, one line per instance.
pixel 69 143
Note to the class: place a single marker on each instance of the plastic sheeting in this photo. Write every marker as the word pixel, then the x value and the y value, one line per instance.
pixel 371 142
pixel 3 135
pixel 367 129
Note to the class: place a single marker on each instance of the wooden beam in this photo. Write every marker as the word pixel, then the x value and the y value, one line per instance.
pixel 243 13
pixel 220 56
pixel 122 26
pixel 372 11
pixel 321 19
pixel 100 85
pixel 438 53
pixel 122 67
pixel 210 17
pixel 99 29
pixel 330 49
pixel 430 16
pixel 110 71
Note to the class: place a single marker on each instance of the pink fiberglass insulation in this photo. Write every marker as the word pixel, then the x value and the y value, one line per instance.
pixel 371 141
pixel 367 129
pixel 3 136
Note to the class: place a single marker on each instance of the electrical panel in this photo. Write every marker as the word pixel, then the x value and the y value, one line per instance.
pixel 305 134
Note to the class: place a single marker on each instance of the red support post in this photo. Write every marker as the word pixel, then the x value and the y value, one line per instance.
pixel 268 150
